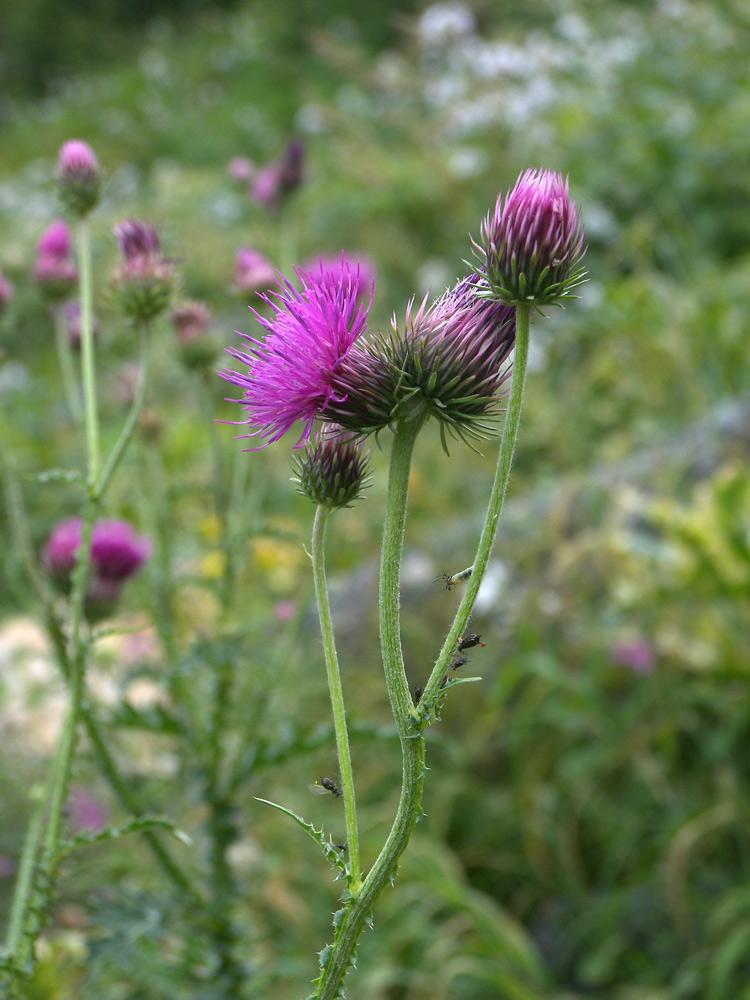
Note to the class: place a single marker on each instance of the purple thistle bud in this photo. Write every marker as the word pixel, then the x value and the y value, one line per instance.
pixel 451 360
pixel 6 291
pixel 334 470
pixel 78 177
pixel 291 372
pixel 532 247
pixel 292 165
pixel 59 554
pixel 55 241
pixel 117 550
pixel 55 271
pixel 254 272
pixel 636 654
pixel 144 282
pixel 137 239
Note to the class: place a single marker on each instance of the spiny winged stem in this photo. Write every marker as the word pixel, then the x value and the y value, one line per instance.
pixel 497 496
pixel 338 959
pixel 337 695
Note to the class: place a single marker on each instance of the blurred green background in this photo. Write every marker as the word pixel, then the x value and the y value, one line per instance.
pixel 588 803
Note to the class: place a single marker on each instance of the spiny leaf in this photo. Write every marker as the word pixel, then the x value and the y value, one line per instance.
pixel 137 825
pixel 329 850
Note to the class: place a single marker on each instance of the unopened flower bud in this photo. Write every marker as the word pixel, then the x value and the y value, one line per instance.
pixel 144 282
pixel 55 270
pixel 334 470
pixel 532 246
pixel 137 239
pixel 78 177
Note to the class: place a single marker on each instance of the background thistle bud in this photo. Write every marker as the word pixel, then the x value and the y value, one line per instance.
pixel 55 270
pixel 78 177
pixel 6 291
pixel 197 348
pixel 533 245
pixel 334 470
pixel 144 282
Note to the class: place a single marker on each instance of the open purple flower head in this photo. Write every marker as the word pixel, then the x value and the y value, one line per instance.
pixel 329 270
pixel 291 373
pixel 253 272
pixel 137 239
pixel 533 244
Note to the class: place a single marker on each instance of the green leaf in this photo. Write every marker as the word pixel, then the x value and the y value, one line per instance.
pixel 335 857
pixel 137 825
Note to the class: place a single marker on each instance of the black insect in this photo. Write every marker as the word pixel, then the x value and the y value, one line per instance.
pixel 341 847
pixel 460 662
pixel 451 579
pixel 417 695
pixel 444 681
pixel 470 640
pixel 325 785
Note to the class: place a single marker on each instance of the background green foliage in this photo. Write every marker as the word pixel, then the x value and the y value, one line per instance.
pixel 587 823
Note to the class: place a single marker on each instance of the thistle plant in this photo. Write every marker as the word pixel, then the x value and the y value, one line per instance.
pixel 448 362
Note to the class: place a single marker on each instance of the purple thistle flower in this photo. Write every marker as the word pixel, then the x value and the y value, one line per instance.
pixel 266 186
pixel 59 554
pixel 292 371
pixel 636 654
pixel 532 246
pixel 144 281
pixel 330 269
pixel 79 177
pixel 117 550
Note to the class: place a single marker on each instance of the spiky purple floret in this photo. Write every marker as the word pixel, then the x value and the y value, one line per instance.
pixel 533 244
pixel 452 356
pixel 291 372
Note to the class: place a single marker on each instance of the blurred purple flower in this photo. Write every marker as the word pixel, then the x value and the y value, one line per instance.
pixel 6 291
pixel 117 551
pixel 86 814
pixel 292 370
pixel 78 177
pixel 55 270
pixel 241 169
pixel 254 272
pixel 55 241
pixel 266 186
pixel 191 320
pixel 280 177
pixel 636 654
pixel 137 239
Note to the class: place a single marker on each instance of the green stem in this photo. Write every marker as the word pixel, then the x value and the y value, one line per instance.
pixel 24 883
pixel 129 426
pixel 412 741
pixel 87 350
pixel 497 496
pixel 65 360
pixel 337 695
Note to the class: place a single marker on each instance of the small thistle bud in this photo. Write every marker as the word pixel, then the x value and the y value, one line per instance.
pixel 333 471
pixel 532 247
pixel 137 239
pixel 55 271
pixel 78 177
pixel 6 292
pixel 144 282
